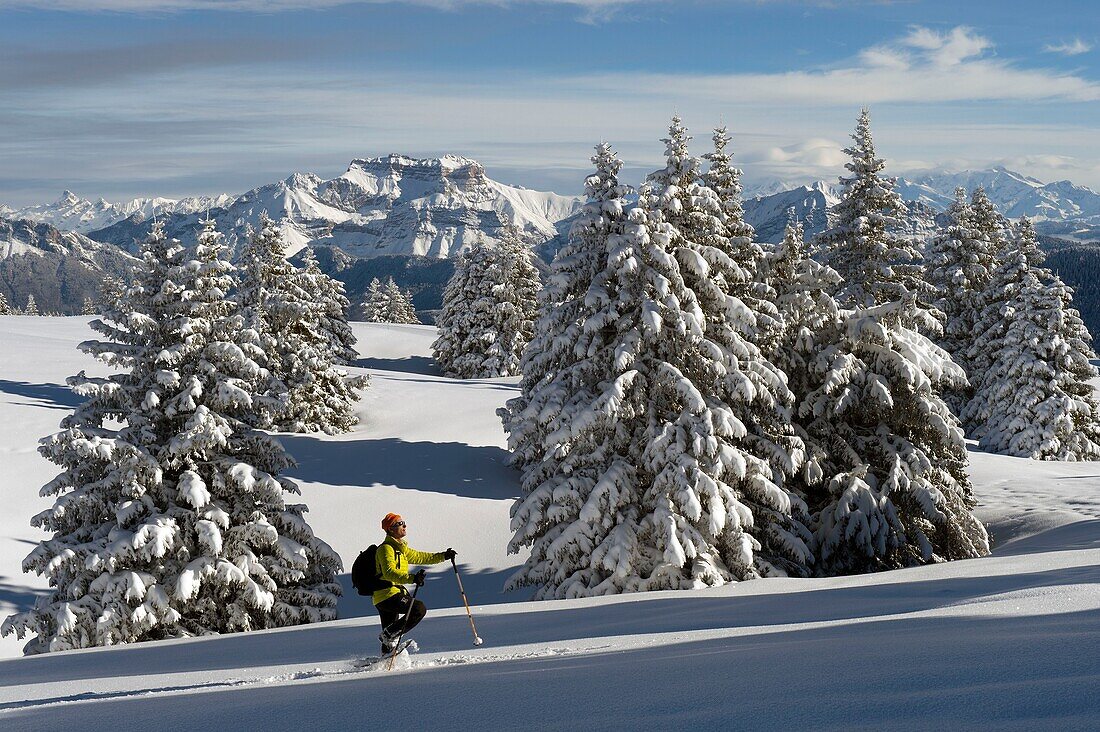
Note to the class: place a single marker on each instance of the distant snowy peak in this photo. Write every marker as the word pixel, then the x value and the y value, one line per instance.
pixel 1017 195
pixel 70 212
pixel 387 205
pixel 769 214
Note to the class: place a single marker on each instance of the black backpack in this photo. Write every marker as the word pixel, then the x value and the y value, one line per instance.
pixel 365 577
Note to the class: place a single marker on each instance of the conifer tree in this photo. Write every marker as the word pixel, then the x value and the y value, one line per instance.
pixel 958 270
pixel 374 304
pixel 808 313
pixel 489 307
pixel 282 317
pixel 32 306
pixel 5 306
pixel 88 307
pixel 877 265
pixel 720 268
pixel 175 523
pixel 556 358
pixel 398 305
pixel 111 290
pixel 332 307
pixel 1035 400
pixel 388 303
pixel 988 239
pixel 896 492
pixel 625 461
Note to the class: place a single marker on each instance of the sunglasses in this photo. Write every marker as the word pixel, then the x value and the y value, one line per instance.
pixel 399 523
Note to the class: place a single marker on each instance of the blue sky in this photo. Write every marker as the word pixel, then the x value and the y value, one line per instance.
pixel 120 98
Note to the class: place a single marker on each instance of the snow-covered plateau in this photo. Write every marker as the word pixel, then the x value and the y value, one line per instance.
pixel 1006 642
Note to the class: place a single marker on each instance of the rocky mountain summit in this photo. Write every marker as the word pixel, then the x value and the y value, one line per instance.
pixel 388 205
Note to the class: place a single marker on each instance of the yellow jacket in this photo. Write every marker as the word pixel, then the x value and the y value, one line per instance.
pixel 392 563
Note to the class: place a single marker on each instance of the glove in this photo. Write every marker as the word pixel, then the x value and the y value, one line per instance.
pixel 418 578
pixel 450 554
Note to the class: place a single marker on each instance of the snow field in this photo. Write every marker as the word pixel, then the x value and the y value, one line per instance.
pixel 1010 641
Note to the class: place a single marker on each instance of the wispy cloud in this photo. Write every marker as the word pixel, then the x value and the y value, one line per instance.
pixel 184 129
pixel 1069 48
pixel 39 69
pixel 925 66
pixel 274 6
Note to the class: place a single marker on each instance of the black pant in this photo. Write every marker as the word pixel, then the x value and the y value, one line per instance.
pixel 393 610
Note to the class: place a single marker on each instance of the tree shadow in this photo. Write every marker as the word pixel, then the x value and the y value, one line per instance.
pixel 439 467
pixel 55 396
pixel 424 365
pixel 1067 537
pixel 20 597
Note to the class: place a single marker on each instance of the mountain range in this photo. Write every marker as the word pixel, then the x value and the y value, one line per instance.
pixel 395 207
pixel 389 205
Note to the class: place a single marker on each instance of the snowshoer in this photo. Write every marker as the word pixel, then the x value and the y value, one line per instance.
pixel 392 560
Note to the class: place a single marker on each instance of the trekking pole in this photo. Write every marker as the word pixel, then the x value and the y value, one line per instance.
pixel 477 638
pixel 408 614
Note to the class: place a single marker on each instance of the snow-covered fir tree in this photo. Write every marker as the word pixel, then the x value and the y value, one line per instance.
pixel 988 236
pixel 895 488
pixel 88 307
pixel 877 265
pixel 111 290
pixel 958 269
pixel 5 306
pixel 332 307
pixel 399 306
pixel 282 315
pixel 388 303
pixel 627 466
pixel 720 267
pixel 754 290
pixel 175 523
pixel 489 308
pixel 32 306
pixel 374 302
pixel 1035 400
pixel 557 354
pixel 808 312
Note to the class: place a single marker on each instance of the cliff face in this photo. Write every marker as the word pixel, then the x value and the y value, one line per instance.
pixel 59 268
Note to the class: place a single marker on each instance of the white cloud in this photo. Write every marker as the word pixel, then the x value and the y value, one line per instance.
pixel 1069 48
pixel 812 153
pixel 240 130
pixel 924 66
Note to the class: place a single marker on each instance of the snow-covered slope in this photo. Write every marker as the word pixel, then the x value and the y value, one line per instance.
pixel 70 212
pixel 389 205
pixel 1011 641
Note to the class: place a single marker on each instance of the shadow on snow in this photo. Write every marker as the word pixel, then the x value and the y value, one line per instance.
pixel 440 467
pixel 867 607
pixel 424 365
pixel 55 396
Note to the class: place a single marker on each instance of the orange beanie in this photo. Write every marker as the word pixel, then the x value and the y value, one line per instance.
pixel 390 520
